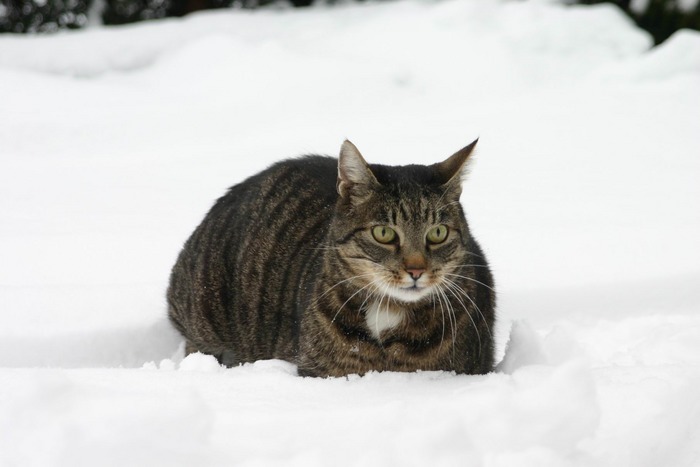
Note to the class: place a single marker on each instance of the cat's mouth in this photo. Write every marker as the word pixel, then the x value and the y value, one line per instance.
pixel 412 293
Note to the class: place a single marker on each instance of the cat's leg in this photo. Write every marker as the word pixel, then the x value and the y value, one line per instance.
pixel 226 357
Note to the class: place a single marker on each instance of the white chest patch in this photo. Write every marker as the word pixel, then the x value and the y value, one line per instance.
pixel 380 319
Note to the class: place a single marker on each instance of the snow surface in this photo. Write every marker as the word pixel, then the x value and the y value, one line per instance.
pixel 114 142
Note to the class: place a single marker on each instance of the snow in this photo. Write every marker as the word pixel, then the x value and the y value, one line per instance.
pixel 584 194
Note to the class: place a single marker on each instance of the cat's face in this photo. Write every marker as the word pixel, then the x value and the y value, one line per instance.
pixel 400 231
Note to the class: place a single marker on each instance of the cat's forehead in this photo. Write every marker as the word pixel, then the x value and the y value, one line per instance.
pixel 426 207
pixel 408 175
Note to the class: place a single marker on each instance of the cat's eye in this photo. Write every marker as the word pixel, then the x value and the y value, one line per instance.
pixel 383 234
pixel 437 234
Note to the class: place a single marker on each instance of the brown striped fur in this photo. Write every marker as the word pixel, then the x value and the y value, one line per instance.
pixel 285 266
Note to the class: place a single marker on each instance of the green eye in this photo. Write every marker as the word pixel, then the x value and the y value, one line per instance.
pixel 437 234
pixel 383 234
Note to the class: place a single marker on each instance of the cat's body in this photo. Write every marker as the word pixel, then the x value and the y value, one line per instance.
pixel 341 268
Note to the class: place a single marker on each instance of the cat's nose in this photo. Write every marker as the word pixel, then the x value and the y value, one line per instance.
pixel 415 273
pixel 415 265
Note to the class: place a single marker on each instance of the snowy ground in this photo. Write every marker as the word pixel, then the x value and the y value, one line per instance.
pixel 585 196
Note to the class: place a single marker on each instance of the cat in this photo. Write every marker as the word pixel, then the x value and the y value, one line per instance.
pixel 340 267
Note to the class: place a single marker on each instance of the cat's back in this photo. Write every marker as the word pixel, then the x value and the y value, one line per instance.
pixel 238 274
pixel 272 207
pixel 304 177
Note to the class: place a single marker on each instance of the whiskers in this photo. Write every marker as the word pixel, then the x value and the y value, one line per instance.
pixel 374 303
pixel 445 307
pixel 369 284
pixel 323 248
pixel 470 279
pixel 339 283
pixel 450 288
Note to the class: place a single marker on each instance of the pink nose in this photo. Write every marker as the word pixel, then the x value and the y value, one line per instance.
pixel 415 273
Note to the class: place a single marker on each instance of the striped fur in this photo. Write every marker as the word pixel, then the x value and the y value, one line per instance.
pixel 285 266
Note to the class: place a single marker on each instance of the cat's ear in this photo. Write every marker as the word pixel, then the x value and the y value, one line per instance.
pixel 452 169
pixel 355 179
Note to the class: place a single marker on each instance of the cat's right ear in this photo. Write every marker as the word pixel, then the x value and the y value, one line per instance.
pixel 452 170
pixel 355 179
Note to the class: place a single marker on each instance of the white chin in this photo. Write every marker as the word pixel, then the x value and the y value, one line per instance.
pixel 409 294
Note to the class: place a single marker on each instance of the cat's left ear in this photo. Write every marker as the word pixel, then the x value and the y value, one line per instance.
pixel 452 169
pixel 355 179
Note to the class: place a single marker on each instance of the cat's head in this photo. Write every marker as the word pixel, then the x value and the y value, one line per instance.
pixel 400 231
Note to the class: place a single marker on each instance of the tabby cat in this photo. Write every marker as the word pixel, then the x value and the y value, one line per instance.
pixel 340 267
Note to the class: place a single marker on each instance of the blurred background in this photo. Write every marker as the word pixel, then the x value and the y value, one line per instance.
pixel 659 17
